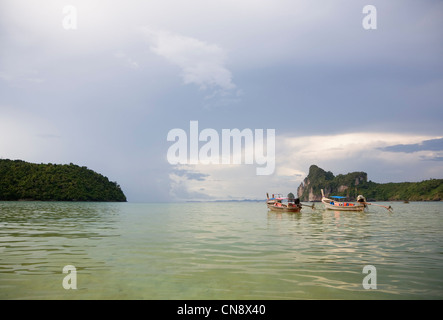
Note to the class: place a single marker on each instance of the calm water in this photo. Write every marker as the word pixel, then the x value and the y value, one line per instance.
pixel 218 251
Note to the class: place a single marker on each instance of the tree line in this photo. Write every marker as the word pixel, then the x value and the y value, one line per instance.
pixel 20 180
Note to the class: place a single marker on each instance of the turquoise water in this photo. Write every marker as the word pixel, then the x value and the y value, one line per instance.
pixel 218 251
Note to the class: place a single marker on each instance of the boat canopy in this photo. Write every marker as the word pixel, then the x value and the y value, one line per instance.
pixel 280 198
pixel 337 197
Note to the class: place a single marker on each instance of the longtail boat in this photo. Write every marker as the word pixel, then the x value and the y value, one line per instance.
pixel 337 203
pixel 280 204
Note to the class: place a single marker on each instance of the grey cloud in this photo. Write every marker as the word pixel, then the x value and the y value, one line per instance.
pixel 432 158
pixel 426 145
pixel 190 175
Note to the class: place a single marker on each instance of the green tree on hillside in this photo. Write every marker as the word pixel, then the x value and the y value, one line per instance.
pixel 20 180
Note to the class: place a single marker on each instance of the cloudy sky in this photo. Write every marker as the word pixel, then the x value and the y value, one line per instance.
pixel 102 83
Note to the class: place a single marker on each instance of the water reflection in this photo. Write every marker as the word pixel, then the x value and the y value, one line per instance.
pixel 41 237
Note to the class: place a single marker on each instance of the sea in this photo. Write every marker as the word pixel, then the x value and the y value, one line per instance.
pixel 219 251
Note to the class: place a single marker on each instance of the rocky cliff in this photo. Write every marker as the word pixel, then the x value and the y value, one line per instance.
pixel 352 184
pixel 317 179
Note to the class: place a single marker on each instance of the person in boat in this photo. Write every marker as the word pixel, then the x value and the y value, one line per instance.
pixel 294 202
pixel 362 200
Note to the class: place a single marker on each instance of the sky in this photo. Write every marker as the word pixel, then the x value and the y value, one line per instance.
pixel 103 83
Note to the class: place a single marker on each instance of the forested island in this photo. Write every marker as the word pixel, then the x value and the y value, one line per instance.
pixel 20 180
pixel 352 184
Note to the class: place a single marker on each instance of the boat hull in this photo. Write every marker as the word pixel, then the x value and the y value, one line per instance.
pixel 275 208
pixel 340 206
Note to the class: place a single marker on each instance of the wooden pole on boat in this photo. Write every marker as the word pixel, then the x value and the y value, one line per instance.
pixel 306 205
pixel 390 209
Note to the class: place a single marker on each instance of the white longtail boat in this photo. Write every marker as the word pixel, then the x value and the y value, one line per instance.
pixel 336 204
